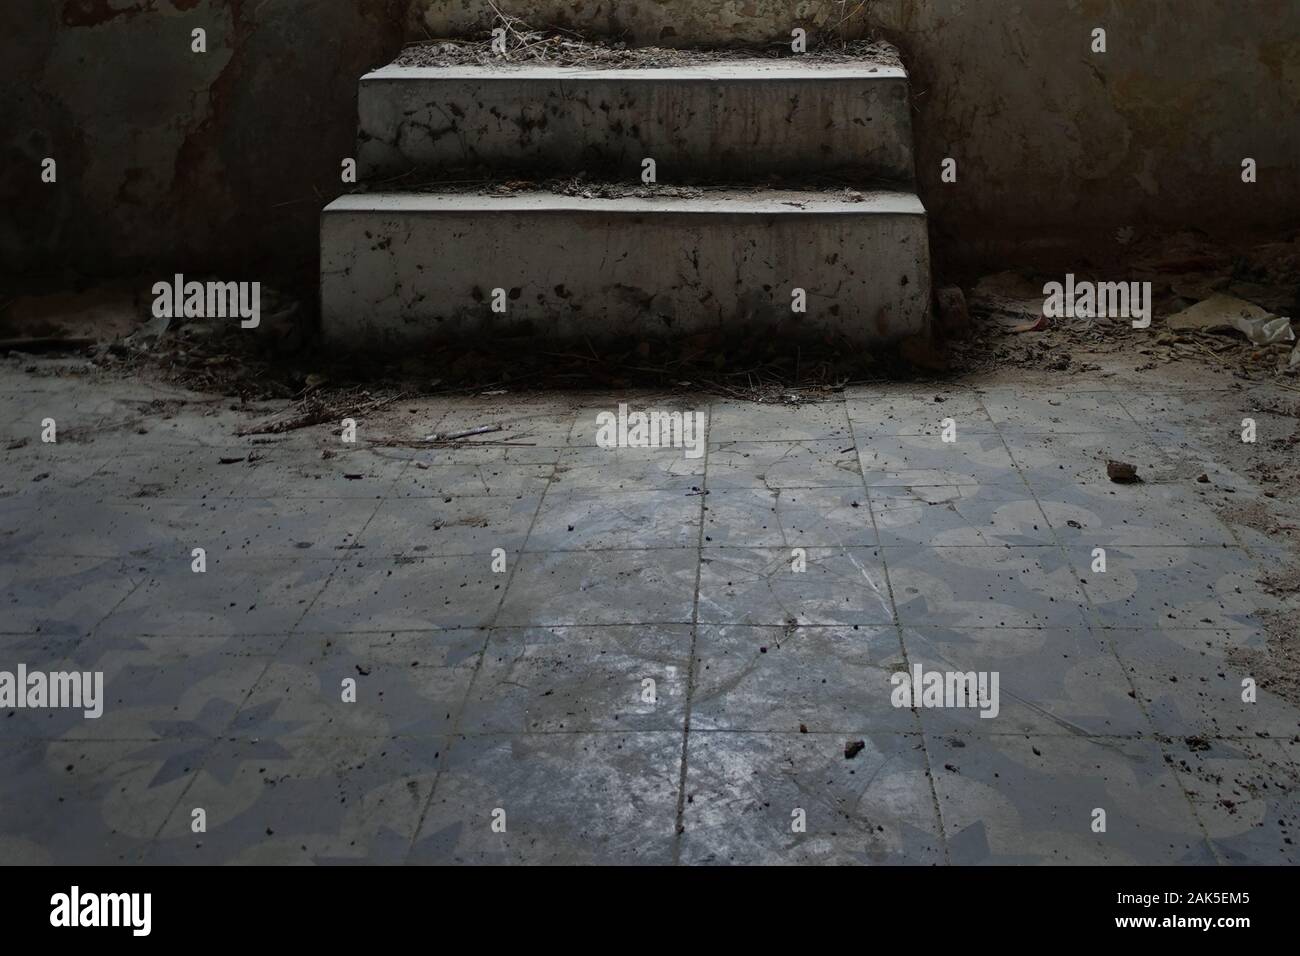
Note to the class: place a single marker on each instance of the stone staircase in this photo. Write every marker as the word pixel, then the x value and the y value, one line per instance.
pixel 779 183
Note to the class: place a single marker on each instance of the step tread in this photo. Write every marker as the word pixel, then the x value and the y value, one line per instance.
pixel 738 201
pixel 756 69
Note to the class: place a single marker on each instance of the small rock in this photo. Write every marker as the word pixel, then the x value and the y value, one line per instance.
pixel 1122 472
pixel 853 748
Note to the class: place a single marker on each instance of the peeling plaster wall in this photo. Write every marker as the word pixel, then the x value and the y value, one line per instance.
pixel 213 162
pixel 220 162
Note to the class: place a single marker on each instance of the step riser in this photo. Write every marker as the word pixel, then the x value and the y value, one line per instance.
pixel 392 278
pixel 608 123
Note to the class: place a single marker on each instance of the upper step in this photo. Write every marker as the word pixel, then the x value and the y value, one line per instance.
pixel 737 118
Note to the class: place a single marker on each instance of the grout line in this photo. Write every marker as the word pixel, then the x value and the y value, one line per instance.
pixel 680 817
pixel 454 732
pixel 935 805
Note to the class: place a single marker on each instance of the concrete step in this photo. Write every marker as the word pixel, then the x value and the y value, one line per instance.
pixel 412 268
pixel 733 119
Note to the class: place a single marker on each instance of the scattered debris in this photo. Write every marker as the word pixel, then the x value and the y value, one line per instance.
pixel 526 45
pixel 467 433
pixel 1221 312
pixel 1037 325
pixel 316 410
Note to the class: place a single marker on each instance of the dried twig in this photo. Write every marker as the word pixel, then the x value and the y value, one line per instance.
pixel 317 412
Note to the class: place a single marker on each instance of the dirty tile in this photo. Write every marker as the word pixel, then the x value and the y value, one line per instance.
pixel 473 479
pixel 763 586
pixel 559 799
pixel 783 464
pixel 795 798
pixel 439 527
pixel 355 690
pixel 913 411
pixel 985 587
pixel 1246 794
pixel 1048 681
pixel 627 469
pixel 755 422
pixel 1132 515
pixel 1013 799
pixel 90 802
pixel 1150 587
pixel 40 468
pixel 233 596
pixel 1056 413
pixel 973 458
pixel 578 679
pixel 263 802
pixel 788 517
pixel 1053 459
pixel 601 587
pixel 593 520
pixel 410 593
pixel 781 679
pixel 1200 682
pixel 201 473
pixel 62 597
pixel 347 474
pixel 959 515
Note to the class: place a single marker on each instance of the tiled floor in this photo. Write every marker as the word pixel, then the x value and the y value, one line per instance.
pixel 568 653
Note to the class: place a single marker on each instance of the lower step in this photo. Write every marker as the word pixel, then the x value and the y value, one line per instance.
pixel 411 268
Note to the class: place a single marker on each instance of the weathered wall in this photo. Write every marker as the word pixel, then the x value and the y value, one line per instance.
pixel 167 158
pixel 222 161
pixel 1054 143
